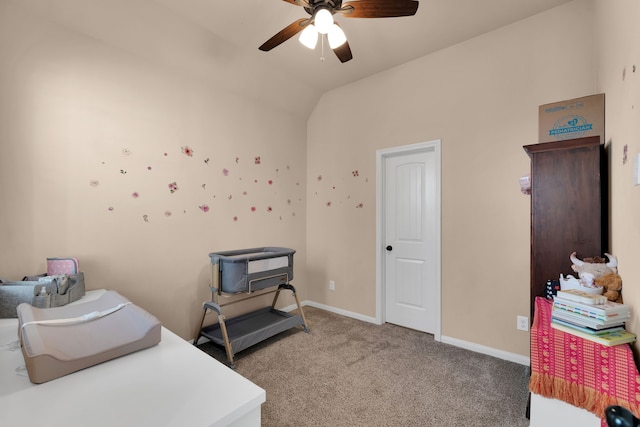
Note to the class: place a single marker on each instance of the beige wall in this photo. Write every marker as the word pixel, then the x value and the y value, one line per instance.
pixel 618 47
pixel 480 98
pixel 85 126
pixel 75 111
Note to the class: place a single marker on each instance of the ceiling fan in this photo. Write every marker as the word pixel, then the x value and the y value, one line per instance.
pixel 321 21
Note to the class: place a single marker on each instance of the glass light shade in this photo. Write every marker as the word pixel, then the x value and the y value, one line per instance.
pixel 309 37
pixel 336 37
pixel 323 20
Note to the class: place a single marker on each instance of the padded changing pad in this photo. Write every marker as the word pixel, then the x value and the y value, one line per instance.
pixel 58 341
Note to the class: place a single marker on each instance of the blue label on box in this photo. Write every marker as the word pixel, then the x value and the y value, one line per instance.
pixel 572 126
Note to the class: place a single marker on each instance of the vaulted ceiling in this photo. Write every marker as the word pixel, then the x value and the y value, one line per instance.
pixel 219 39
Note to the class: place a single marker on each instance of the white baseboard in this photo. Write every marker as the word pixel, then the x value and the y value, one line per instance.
pixel 342 312
pixel 490 351
pixel 331 309
pixel 500 354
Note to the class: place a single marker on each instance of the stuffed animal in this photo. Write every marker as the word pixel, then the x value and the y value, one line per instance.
pixel 589 271
pixel 611 286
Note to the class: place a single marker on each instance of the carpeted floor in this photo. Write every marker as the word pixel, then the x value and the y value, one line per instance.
pixel 351 373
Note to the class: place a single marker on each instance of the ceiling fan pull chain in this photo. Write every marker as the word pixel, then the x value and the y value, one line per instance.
pixel 322 46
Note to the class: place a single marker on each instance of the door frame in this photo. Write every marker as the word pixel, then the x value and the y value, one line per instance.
pixel 381 155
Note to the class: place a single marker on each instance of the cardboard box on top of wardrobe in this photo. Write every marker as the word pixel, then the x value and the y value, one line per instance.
pixel 574 118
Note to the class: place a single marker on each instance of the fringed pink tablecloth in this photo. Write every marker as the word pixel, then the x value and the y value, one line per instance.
pixel 578 371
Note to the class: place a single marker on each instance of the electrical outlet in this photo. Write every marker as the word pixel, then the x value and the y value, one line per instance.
pixel 523 323
pixel 332 285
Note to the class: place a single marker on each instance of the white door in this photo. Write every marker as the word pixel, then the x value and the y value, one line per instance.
pixel 411 240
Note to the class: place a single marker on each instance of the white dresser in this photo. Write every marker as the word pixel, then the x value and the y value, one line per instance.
pixel 171 384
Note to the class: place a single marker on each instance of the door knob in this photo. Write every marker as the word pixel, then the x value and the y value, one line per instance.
pixel 389 248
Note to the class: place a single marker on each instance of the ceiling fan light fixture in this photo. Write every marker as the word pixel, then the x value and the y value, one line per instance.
pixel 309 37
pixel 336 37
pixel 323 20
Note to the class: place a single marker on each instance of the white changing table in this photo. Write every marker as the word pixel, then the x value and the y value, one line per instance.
pixel 171 384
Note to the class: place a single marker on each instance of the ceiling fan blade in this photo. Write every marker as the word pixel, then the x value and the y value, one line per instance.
pixel 303 3
pixel 285 34
pixel 343 52
pixel 379 8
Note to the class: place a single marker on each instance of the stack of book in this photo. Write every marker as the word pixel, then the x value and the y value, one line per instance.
pixel 591 317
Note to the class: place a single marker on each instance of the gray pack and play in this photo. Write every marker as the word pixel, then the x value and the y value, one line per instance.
pixel 239 275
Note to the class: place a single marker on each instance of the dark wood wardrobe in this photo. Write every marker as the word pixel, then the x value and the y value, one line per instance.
pixel 568 206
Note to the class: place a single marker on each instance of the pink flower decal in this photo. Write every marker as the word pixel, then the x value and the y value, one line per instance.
pixel 173 187
pixel 235 219
pixel 329 204
pixel 360 205
pixel 187 151
pixel 319 178
pixel 257 160
pixel 269 208
pixel 355 173
pixel 253 208
pixel 225 172
pixel 270 182
pixel 135 194
pixel 204 208
pixel 110 208
pixel 148 168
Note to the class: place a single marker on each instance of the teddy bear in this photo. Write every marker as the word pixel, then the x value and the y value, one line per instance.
pixel 590 269
pixel 611 286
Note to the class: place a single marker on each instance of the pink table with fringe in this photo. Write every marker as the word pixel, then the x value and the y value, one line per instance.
pixel 578 371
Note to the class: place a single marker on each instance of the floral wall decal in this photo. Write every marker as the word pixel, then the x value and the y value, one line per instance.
pixel 187 151
pixel 274 197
